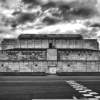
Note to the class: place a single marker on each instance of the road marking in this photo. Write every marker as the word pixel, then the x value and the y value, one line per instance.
pixel 78 89
pixel 98 97
pixel 87 93
pixel 88 90
pixel 75 98
pixel 83 91
pixel 93 93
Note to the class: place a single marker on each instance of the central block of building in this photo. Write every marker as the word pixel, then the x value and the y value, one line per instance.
pixel 49 53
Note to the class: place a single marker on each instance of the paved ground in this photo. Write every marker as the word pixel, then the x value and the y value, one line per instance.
pixel 48 87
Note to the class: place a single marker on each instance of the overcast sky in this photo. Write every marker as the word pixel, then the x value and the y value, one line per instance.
pixel 50 16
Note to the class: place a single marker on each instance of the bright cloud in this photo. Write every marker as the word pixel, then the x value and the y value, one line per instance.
pixel 48 16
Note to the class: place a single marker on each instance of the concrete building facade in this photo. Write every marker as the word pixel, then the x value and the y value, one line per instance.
pixel 50 53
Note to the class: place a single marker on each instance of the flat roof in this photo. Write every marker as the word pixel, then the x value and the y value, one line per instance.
pixel 50 36
pixel 10 40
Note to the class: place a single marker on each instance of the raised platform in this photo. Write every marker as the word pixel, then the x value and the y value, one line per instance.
pixel 45 74
pixel 22 74
pixel 78 73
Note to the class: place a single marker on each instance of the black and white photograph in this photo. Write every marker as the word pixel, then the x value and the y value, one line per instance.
pixel 49 49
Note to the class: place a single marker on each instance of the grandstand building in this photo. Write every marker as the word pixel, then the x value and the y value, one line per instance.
pixel 49 53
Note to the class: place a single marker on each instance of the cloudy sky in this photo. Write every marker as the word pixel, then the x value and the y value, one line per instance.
pixel 50 16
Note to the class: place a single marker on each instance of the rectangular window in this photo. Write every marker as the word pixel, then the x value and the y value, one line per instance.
pixel 59 44
pixel 38 43
pixel 45 44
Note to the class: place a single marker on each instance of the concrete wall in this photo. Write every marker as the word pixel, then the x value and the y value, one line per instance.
pixel 23 55
pixel 42 55
pixel 87 44
pixel 78 55
pixel 33 43
pixel 78 66
pixel 42 66
pixel 30 66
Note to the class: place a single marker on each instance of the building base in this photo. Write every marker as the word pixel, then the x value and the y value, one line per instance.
pixel 23 74
pixel 78 73
pixel 44 74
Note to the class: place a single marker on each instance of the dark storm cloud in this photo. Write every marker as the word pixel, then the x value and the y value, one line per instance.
pixel 3 1
pixel 70 10
pixel 95 25
pixel 25 17
pixel 35 2
pixel 49 5
pixel 78 8
pixel 65 7
pixel 84 12
pixel 50 21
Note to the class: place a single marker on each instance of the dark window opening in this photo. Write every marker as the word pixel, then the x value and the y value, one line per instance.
pixel 50 45
pixel 90 54
pixel 67 54
pixel 79 54
pixel 68 65
pixel 35 64
pixel 2 65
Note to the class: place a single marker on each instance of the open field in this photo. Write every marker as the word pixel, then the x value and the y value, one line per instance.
pixel 46 87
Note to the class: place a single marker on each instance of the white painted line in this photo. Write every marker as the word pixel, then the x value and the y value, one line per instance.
pixel 87 90
pixel 82 91
pixel 75 85
pixel 85 87
pixel 92 99
pixel 74 98
pixel 93 93
pixel 98 97
pixel 87 95
pixel 80 86
pixel 78 89
pixel 72 83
